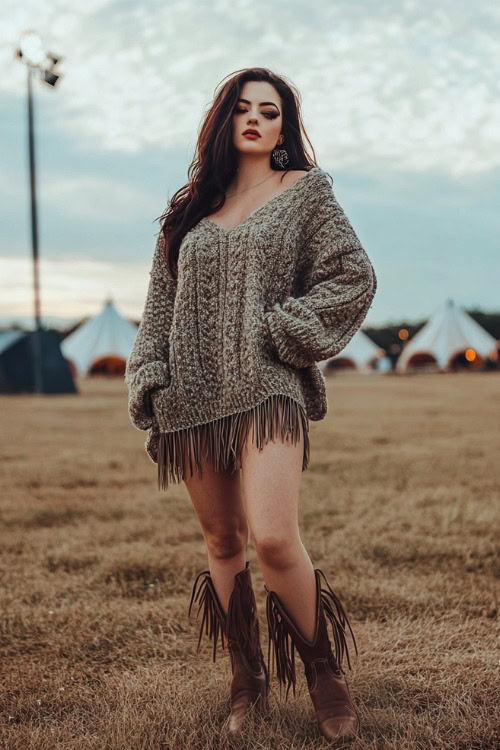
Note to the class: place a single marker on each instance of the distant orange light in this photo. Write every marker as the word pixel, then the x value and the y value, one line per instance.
pixel 403 333
pixel 470 355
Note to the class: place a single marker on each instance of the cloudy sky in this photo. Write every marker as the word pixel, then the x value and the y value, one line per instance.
pixel 400 101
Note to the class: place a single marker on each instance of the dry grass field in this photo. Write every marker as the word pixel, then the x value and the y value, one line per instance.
pixel 399 508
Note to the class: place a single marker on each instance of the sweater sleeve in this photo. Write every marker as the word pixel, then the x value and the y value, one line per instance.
pixel 339 283
pixel 147 366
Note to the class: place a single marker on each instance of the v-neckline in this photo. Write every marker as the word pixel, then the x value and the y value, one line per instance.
pixel 224 230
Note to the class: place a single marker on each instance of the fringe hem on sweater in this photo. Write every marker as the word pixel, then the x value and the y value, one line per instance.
pixel 222 440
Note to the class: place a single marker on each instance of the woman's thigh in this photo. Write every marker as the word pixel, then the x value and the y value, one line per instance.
pixel 218 502
pixel 271 485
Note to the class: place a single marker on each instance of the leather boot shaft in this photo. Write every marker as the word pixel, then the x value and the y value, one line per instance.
pixel 335 711
pixel 240 626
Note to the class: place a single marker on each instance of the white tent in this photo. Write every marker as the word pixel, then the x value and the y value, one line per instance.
pixel 449 332
pixel 360 354
pixel 107 335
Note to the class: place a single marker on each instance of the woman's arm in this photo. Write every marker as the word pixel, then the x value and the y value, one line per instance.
pixel 340 284
pixel 147 367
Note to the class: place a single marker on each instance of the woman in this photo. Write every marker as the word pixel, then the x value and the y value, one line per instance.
pixel 257 275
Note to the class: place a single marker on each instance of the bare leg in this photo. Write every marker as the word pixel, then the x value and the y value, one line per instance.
pixel 217 500
pixel 271 483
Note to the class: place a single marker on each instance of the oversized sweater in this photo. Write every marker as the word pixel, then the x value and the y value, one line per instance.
pixel 231 347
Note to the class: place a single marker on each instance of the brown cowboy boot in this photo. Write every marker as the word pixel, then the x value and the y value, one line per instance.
pixel 335 711
pixel 250 683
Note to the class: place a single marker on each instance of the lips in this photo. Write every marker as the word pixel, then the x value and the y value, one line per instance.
pixel 251 132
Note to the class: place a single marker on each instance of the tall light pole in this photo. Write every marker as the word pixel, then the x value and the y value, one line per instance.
pixel 38 61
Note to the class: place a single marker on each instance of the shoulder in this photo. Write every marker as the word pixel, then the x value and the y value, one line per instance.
pixel 319 198
pixel 315 176
pixel 309 188
pixel 317 186
pixel 292 176
pixel 320 179
pixel 320 207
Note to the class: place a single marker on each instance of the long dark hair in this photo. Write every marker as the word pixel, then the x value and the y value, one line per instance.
pixel 215 163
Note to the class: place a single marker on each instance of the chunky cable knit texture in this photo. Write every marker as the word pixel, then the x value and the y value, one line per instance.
pixel 231 347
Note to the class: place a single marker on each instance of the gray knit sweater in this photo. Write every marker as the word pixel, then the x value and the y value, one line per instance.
pixel 232 345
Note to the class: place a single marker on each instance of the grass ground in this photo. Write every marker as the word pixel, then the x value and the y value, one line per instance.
pixel 399 507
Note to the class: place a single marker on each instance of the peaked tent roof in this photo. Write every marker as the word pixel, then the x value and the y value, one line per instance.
pixel 18 372
pixel 107 334
pixel 449 331
pixel 9 337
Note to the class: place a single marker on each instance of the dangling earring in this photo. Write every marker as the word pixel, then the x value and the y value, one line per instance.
pixel 280 156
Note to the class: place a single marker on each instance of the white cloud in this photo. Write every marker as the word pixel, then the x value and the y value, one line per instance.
pixel 75 285
pixel 411 86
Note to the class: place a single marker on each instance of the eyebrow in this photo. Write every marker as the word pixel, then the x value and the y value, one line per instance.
pixel 260 104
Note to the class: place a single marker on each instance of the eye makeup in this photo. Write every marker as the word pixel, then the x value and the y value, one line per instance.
pixel 269 115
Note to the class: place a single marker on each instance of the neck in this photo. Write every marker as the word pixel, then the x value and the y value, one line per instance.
pixel 251 169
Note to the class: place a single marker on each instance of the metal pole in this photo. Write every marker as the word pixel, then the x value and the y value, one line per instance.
pixel 36 337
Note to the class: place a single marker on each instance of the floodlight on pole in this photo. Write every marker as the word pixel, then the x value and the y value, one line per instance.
pixel 31 52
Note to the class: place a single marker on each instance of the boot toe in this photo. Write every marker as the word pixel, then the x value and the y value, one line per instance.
pixel 339 727
pixel 237 717
pixel 242 708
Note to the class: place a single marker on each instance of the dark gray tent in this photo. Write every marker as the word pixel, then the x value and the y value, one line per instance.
pixel 17 373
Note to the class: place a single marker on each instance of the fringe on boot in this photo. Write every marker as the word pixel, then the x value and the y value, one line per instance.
pixel 250 681
pixel 281 647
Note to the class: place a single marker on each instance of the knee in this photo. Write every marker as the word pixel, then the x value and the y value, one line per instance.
pixel 276 551
pixel 223 544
